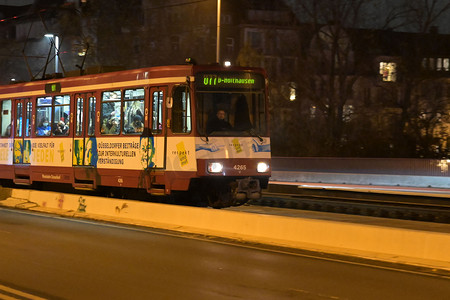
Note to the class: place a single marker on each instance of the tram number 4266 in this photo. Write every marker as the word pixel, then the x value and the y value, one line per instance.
pixel 240 167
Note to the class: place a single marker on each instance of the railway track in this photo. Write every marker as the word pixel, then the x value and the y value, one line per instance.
pixel 419 208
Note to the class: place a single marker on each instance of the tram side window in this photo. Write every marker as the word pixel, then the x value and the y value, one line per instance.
pixel 61 118
pixel 181 110
pixel 19 119
pixel 80 119
pixel 111 112
pixel 79 116
pixel 157 108
pixel 6 118
pixel 28 118
pixel 43 116
pixel 91 114
pixel 133 107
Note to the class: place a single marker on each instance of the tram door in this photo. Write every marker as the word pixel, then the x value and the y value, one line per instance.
pixel 84 142
pixel 157 143
pixel 22 140
pixel 22 131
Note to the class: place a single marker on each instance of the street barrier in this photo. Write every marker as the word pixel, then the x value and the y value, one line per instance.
pixel 418 247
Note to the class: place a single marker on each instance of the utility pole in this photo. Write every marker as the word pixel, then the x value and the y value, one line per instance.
pixel 218 33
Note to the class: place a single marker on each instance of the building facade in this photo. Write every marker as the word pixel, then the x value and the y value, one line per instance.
pixel 334 89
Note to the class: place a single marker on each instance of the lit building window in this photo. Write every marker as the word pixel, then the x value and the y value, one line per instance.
pixel 388 71
pixel 436 64
pixel 291 89
pixel 292 95
pixel 432 63
pixel 425 63
pixel 348 113
pixel 446 64
pixel 439 64
pixel 312 111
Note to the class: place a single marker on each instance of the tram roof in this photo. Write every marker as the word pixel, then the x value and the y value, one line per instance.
pixel 113 80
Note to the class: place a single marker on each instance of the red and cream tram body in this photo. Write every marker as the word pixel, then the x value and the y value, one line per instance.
pixel 162 129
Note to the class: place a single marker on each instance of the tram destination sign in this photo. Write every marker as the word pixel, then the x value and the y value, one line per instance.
pixel 229 81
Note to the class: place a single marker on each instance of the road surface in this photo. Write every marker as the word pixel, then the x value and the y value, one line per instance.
pixel 49 257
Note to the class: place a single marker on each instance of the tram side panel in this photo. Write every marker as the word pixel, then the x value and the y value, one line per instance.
pixel 6 142
pixel 169 158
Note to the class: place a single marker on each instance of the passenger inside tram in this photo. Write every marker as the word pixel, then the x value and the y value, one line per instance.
pixel 61 128
pixel 137 125
pixel 43 128
pixel 111 126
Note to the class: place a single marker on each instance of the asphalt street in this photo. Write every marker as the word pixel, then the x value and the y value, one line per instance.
pixel 50 257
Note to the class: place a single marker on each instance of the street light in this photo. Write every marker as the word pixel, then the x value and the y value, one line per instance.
pixel 56 41
pixel 218 33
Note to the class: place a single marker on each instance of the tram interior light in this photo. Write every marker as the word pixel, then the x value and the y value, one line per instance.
pixel 215 167
pixel 262 167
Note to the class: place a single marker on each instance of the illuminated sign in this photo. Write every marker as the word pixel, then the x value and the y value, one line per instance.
pixel 53 88
pixel 229 81
pixel 217 80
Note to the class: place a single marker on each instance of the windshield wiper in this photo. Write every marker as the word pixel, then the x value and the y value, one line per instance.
pixel 253 133
pixel 206 136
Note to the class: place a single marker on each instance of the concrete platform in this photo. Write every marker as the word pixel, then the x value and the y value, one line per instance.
pixel 392 180
pixel 373 189
pixel 408 242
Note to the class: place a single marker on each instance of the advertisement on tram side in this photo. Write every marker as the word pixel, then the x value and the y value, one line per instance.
pixel 232 147
pixel 55 152
pixel 131 153
pixel 6 152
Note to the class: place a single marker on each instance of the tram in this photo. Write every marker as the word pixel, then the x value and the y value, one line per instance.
pixel 185 128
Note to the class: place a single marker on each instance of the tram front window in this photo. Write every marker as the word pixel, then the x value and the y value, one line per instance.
pixel 231 113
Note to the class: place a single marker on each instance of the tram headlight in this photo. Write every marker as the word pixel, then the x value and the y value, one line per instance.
pixel 262 167
pixel 215 167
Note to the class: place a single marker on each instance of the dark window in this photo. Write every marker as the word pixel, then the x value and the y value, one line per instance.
pixel 79 117
pixel 19 119
pixel 157 106
pixel 28 119
pixel 91 114
pixel 181 110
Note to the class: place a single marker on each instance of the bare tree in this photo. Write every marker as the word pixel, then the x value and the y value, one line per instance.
pixel 326 68
pixel 422 15
pixel 329 74
pixel 423 108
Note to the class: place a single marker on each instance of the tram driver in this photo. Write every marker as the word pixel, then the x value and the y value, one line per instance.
pixel 218 122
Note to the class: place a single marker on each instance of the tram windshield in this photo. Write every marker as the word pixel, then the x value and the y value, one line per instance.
pixel 231 104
